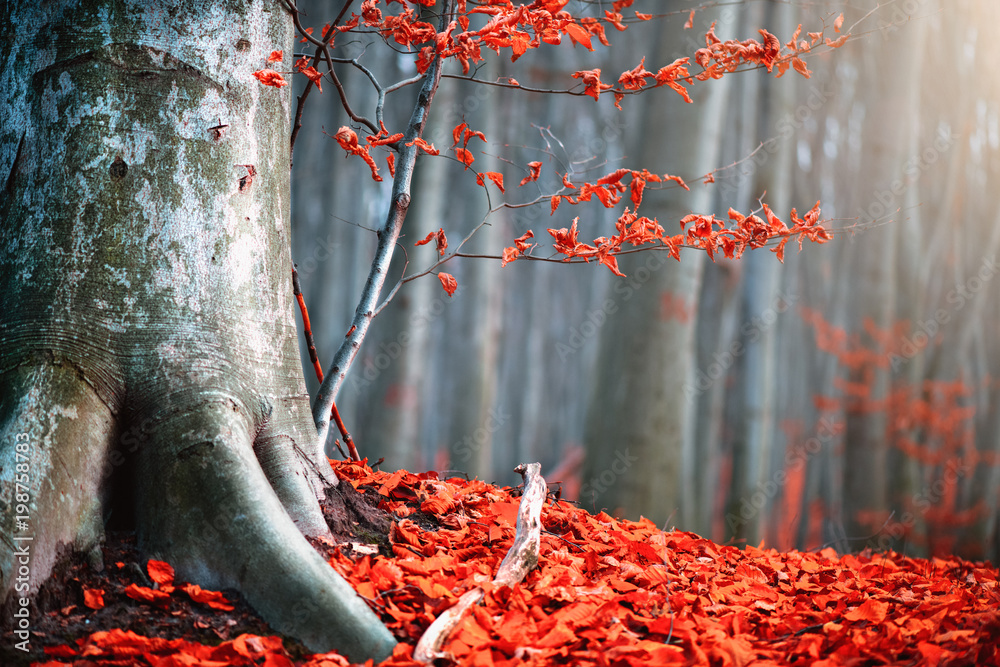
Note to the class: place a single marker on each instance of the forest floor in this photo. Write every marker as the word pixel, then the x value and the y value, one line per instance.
pixel 606 592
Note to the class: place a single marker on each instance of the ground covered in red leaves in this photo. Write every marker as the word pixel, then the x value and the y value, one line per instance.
pixel 606 592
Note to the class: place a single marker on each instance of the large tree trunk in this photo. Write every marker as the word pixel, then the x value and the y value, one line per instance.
pixel 148 326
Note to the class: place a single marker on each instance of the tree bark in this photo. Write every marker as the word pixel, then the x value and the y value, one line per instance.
pixel 148 318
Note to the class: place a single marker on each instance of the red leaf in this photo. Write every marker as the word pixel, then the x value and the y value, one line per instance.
pixel 93 598
pixel 448 282
pixel 535 171
pixel 578 35
pixel 213 599
pixel 269 77
pixel 426 147
pixel 592 82
pixel 348 140
pixel 635 78
pixel 837 43
pixel 456 134
pixel 441 241
pixel 465 157
pixel 160 572
pixel 143 594
pixel 870 610
pixel 314 76
pixel 278 56
pixel 493 176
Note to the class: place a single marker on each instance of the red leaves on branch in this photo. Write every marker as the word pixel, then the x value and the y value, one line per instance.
pixel 635 79
pixel 931 423
pixel 522 27
pixel 707 232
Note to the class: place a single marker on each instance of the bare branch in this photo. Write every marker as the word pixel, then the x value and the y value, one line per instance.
pixel 387 237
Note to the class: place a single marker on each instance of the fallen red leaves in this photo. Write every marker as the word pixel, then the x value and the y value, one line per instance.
pixel 615 592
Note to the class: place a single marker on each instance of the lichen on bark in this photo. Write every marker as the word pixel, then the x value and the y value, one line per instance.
pixel 147 312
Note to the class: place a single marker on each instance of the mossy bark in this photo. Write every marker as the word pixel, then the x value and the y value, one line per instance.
pixel 146 309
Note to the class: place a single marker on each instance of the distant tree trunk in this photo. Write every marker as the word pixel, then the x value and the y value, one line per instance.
pixel 751 493
pixel 889 76
pixel 641 408
pixel 473 362
pixel 148 321
pixel 396 375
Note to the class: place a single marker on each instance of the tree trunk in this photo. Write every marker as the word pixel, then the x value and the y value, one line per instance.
pixel 148 322
pixel 642 407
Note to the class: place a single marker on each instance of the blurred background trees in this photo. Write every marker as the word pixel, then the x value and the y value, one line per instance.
pixel 848 397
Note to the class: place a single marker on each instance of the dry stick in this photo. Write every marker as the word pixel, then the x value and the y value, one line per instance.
pixel 387 237
pixel 520 559
pixel 306 326
pixel 314 358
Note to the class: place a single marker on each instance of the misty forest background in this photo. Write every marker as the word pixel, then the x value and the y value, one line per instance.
pixel 848 397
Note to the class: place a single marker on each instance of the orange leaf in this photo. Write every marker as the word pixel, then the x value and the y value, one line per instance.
pixel 314 76
pixel 278 56
pixel 535 171
pixel 690 21
pixel 441 241
pixel 269 77
pixel 870 610
pixel 611 262
pixel 800 66
pixel 448 282
pixel 348 140
pixel 635 78
pixel 213 599
pixel 838 22
pixel 469 134
pixel 426 147
pixel 837 43
pixel 465 157
pixel 143 594
pixel 93 598
pixel 160 572
pixel 493 176
pixel 578 35
pixel 391 159
pixel 456 134
pixel 592 82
